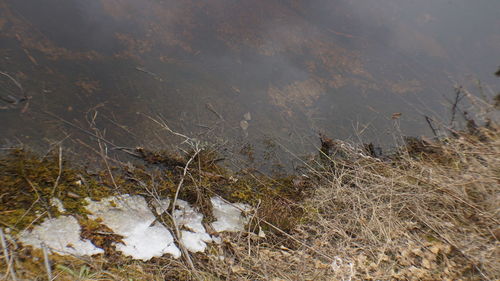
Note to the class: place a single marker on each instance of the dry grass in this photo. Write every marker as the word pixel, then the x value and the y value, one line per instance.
pixel 429 215
pixel 422 216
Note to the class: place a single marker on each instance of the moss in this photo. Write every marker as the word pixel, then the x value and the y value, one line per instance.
pixel 100 235
pixel 29 184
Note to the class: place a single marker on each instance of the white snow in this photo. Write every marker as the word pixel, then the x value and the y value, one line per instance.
pixel 194 240
pixel 130 217
pixel 229 217
pixel 60 235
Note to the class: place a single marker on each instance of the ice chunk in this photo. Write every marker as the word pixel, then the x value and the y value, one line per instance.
pixel 228 216
pixel 130 217
pixel 194 240
pixel 60 235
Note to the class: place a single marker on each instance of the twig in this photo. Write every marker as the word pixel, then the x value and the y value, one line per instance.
pixel 8 261
pixel 177 231
pixel 113 146
pixel 107 157
pixel 46 262
pixel 123 127
pixel 80 129
pixel 195 144
pixel 155 76
pixel 15 82
pixel 429 122
pixel 166 127
pixel 210 107
pixel 102 149
pixel 59 174
pixel 454 107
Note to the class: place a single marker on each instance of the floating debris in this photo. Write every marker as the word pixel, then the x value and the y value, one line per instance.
pixel 396 115
pixel 247 116
pixel 60 235
pixel 154 75
pixel 244 125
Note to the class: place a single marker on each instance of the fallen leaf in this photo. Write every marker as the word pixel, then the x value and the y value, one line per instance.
pixel 396 115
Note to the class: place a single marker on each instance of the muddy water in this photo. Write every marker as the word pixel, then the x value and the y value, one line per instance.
pixel 339 67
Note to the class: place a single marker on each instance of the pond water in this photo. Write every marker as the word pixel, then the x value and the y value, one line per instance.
pixel 238 73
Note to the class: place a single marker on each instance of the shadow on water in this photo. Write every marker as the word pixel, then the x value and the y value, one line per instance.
pixel 339 67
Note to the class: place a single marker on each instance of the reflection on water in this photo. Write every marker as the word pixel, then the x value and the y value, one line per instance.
pixel 340 67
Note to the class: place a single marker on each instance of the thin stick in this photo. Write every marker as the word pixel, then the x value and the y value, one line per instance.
pixel 454 107
pixel 14 81
pixel 102 150
pixel 99 153
pixel 60 172
pixel 429 122
pixel 80 129
pixel 8 261
pixel 46 262
pixel 210 107
pixel 177 231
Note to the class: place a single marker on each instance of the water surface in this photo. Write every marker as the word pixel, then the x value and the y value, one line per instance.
pixel 298 67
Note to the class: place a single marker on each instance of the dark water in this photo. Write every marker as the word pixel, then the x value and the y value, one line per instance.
pixel 299 67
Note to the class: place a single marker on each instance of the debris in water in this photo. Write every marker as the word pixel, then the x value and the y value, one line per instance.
pixel 229 217
pixel 244 125
pixel 396 115
pixel 130 217
pixel 154 75
pixel 60 235
pixel 247 116
pixel 211 108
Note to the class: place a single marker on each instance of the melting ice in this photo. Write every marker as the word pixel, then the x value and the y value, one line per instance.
pixel 130 217
pixel 60 235
pixel 143 236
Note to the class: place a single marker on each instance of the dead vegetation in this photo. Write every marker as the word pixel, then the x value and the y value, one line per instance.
pixel 424 215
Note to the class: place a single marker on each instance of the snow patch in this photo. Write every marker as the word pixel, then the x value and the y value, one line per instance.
pixel 60 235
pixel 229 217
pixel 194 240
pixel 130 217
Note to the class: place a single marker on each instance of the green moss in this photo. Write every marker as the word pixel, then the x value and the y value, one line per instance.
pixel 29 182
